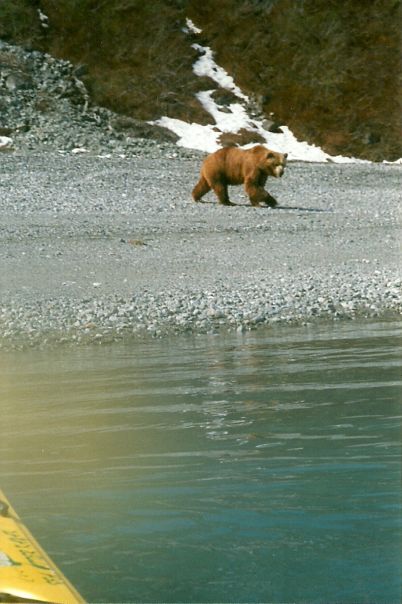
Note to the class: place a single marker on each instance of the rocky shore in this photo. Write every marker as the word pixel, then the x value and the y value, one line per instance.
pixel 96 249
pixel 99 238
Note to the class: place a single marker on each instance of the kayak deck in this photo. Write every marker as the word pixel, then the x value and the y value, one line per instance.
pixel 27 574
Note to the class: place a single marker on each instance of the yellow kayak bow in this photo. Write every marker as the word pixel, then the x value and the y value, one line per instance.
pixel 26 572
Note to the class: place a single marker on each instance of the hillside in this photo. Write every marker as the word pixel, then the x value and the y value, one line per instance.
pixel 330 70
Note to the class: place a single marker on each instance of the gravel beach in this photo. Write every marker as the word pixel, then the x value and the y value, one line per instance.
pixel 95 249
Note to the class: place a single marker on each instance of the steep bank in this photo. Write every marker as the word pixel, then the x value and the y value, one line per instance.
pixel 328 70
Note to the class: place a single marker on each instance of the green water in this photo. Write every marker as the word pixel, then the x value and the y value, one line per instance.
pixel 248 468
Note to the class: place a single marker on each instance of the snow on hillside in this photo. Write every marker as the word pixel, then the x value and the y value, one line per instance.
pixel 235 117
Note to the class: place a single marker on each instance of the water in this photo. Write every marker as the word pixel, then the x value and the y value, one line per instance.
pixel 256 468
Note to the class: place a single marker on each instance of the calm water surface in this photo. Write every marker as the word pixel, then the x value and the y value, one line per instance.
pixel 256 468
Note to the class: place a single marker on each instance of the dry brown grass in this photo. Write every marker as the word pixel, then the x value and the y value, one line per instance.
pixel 329 69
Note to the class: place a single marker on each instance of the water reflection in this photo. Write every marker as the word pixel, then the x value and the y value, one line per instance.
pixel 263 467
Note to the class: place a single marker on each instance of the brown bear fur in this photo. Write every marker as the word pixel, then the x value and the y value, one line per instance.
pixel 234 166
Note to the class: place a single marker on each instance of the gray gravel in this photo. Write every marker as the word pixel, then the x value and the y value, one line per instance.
pixel 99 249
pixel 44 105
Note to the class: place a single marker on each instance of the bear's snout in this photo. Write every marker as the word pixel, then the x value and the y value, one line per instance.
pixel 279 171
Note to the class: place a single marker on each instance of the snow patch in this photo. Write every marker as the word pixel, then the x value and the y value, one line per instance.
pixel 190 27
pixel 206 66
pixel 44 19
pixel 235 117
pixel 397 161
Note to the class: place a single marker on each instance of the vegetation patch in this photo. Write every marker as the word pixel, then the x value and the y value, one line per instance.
pixel 328 69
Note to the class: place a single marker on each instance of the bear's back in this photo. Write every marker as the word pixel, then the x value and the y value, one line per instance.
pixel 227 165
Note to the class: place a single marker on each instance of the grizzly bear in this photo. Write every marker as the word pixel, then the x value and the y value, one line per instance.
pixel 234 166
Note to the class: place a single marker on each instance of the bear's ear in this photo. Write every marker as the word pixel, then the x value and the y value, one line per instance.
pixel 285 155
pixel 270 155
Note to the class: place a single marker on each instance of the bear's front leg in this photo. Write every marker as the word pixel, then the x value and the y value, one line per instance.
pixel 269 200
pixel 256 193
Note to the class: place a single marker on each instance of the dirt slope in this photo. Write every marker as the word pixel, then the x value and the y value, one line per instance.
pixel 329 69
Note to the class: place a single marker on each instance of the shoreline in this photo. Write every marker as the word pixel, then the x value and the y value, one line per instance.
pixel 102 249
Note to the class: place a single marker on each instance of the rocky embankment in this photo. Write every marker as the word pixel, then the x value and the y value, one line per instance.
pixel 107 244
pixel 45 105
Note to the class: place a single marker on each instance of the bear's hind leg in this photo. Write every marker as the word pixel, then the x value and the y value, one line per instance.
pixel 200 189
pixel 221 192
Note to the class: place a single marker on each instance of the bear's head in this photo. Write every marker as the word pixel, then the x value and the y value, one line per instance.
pixel 274 163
